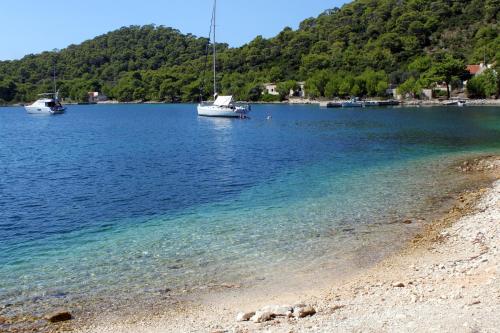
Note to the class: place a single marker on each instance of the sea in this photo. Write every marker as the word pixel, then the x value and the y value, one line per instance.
pixel 118 204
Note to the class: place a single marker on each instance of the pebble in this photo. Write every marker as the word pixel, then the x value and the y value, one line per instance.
pixel 277 310
pixel 301 312
pixel 261 317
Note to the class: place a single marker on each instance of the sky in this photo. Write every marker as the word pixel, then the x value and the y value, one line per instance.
pixel 33 26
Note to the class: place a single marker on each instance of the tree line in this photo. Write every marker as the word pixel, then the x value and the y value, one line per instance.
pixel 360 49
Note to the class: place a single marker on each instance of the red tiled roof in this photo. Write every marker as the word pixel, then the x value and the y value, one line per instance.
pixel 473 69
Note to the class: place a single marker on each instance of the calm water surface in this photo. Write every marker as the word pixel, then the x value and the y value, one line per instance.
pixel 125 200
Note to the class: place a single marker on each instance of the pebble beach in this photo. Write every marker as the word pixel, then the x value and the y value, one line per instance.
pixel 444 280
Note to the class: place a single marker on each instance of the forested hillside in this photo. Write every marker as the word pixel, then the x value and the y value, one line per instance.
pixel 359 49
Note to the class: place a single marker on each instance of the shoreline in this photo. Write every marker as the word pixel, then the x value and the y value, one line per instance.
pixel 413 280
pixel 403 103
pixel 213 307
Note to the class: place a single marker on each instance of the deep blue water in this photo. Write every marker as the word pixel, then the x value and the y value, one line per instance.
pixel 113 198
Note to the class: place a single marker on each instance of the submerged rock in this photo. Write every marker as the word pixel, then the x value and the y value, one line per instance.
pixel 58 316
pixel 244 316
pixel 174 267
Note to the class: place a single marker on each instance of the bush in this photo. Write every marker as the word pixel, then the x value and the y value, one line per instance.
pixel 270 98
pixel 483 86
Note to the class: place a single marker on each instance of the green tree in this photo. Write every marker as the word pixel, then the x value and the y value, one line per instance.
pixel 8 90
pixel 169 90
pixel 284 88
pixel 316 84
pixel 332 88
pixel 411 86
pixel 253 92
pixel 447 69
pixel 352 45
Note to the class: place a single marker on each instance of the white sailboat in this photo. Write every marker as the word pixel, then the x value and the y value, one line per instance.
pixel 48 103
pixel 222 106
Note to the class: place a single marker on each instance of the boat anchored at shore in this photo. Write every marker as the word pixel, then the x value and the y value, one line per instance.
pixel 357 103
pixel 223 106
pixel 353 103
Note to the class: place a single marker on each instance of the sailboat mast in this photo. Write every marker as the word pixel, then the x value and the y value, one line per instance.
pixel 55 84
pixel 215 50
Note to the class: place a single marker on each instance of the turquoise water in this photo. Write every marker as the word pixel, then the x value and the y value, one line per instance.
pixel 110 203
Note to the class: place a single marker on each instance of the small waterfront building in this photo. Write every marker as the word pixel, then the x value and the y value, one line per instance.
pixel 271 89
pixel 477 69
pixel 392 92
pixel 96 97
pixel 300 92
pixel 427 93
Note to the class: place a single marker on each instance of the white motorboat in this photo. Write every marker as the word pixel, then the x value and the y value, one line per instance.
pixel 46 105
pixel 222 106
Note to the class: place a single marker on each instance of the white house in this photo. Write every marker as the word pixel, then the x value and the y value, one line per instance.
pixel 271 89
pixel 95 97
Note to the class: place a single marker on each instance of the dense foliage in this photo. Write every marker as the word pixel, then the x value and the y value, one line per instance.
pixel 360 49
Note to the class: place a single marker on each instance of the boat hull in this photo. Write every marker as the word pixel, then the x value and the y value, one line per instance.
pixel 352 105
pixel 218 111
pixel 43 110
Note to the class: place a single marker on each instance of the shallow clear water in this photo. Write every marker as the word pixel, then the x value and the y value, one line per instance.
pixel 121 201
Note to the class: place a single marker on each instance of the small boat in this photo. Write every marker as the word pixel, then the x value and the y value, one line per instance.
pixel 353 103
pixel 454 102
pixel 222 106
pixel 46 105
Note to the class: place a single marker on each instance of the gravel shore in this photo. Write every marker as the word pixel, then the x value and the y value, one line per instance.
pixel 446 279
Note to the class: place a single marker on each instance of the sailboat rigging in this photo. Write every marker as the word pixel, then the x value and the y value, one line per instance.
pixel 222 106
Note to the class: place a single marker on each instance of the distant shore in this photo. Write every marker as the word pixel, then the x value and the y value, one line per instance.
pixel 445 279
pixel 411 103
